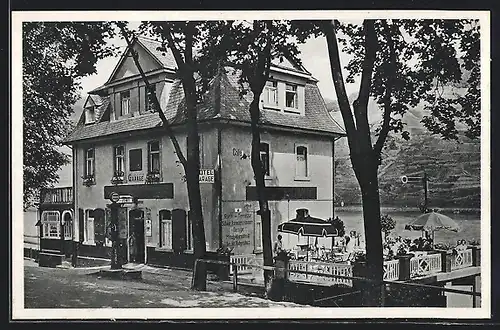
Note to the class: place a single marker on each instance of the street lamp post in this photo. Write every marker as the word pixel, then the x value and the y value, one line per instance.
pixel 416 179
pixel 115 259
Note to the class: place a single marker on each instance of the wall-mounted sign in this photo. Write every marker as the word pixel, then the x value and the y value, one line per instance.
pixel 114 197
pixel 148 227
pixel 126 199
pixel 134 177
pixel 207 176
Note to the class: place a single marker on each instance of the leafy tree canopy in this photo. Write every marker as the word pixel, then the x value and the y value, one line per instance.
pixel 55 55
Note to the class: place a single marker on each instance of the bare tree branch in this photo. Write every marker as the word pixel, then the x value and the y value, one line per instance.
pixel 391 77
pixel 361 104
pixel 166 123
pixel 328 28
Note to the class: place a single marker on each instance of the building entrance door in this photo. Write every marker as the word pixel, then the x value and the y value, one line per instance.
pixel 136 236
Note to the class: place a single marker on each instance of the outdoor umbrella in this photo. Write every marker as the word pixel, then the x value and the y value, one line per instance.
pixel 431 222
pixel 305 225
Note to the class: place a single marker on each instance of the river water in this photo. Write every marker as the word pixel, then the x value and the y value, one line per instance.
pixel 470 224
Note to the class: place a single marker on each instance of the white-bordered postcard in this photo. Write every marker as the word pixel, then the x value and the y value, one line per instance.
pixel 327 164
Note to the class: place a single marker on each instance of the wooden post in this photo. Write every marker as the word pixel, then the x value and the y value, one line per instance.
pixel 235 279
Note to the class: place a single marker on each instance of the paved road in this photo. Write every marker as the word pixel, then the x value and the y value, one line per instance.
pixel 78 288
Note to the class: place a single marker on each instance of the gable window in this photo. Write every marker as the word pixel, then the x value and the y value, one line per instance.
pixel 291 101
pixel 264 157
pixel 89 115
pixel 135 159
pixel 89 227
pixel 150 104
pixel 154 157
pixel 51 224
pixel 271 93
pixel 165 229
pixel 125 103
pixel 301 164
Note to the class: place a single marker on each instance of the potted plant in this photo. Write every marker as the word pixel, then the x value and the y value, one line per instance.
pixel 153 176
pixel 88 180
pixel 118 177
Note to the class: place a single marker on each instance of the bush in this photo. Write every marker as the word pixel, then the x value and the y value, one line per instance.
pixel 388 224
pixel 339 225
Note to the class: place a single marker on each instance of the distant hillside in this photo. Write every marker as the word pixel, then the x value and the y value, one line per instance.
pixel 454 167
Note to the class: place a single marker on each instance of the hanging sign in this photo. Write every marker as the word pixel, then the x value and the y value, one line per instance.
pixel 148 227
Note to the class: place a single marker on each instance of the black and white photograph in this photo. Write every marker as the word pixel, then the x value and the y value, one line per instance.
pixel 242 165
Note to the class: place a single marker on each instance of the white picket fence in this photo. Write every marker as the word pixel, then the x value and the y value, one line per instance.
pixel 462 260
pixel 248 259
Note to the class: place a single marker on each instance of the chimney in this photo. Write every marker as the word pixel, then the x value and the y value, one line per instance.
pixel 302 213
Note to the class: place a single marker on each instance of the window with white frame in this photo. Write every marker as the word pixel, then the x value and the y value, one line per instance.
pixel 89 235
pixel 51 224
pixel 301 164
pixel 89 115
pixel 291 99
pixel 258 234
pixel 165 229
pixel 264 157
pixel 189 234
pixel 154 157
pixel 119 160
pixel 125 103
pixel 89 162
pixel 271 93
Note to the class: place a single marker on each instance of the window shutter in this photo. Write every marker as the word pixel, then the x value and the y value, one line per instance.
pixel 148 224
pixel 99 226
pixel 81 225
pixel 178 230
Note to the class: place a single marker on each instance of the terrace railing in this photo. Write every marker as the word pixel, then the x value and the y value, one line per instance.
pixel 425 264
pixel 462 259
pixel 391 270
pixel 56 195
pixel 322 268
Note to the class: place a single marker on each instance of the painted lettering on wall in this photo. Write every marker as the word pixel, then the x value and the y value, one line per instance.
pixel 238 228
pixel 134 177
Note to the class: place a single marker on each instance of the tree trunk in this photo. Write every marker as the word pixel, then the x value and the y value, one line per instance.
pixel 260 184
pixel 193 184
pixel 368 182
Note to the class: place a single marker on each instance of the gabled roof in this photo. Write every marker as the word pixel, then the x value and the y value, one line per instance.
pixel 164 59
pixel 222 102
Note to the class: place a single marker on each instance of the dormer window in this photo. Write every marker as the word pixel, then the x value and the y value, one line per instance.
pixel 291 97
pixel 89 115
pixel 271 94
pixel 125 103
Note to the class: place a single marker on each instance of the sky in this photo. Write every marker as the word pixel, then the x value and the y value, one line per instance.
pixel 314 55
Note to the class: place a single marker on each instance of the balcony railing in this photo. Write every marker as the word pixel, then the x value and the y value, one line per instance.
pixel 56 195
pixel 425 265
pixel 320 267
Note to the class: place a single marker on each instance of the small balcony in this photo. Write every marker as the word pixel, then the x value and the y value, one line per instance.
pixel 62 195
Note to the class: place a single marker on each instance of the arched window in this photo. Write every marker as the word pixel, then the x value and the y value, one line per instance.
pixel 51 224
pixel 68 224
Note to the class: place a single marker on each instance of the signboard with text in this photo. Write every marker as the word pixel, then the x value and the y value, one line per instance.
pixel 207 176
